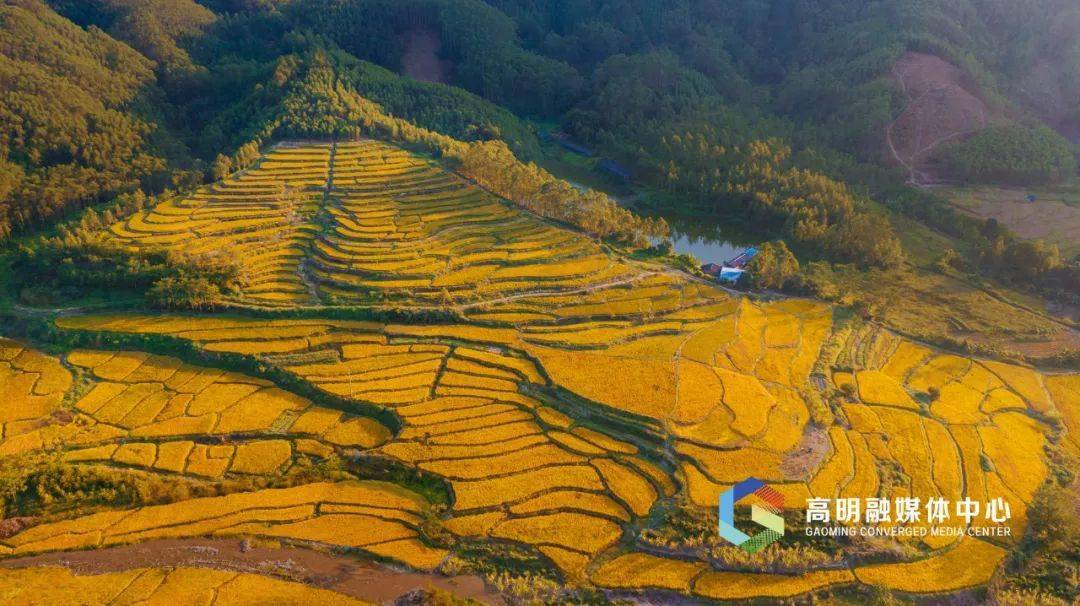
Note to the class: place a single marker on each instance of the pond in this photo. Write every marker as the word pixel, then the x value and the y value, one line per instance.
pixel 709 243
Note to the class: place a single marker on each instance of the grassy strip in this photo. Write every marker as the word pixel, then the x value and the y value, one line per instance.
pixel 374 467
pixel 56 339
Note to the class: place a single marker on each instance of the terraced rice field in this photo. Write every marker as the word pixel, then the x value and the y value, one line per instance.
pixel 405 229
pixel 144 411
pixel 157 586
pixel 366 222
pixel 477 410
pixel 262 216
pixel 377 518
pixel 580 394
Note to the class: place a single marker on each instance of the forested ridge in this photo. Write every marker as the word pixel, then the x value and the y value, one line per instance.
pixel 771 111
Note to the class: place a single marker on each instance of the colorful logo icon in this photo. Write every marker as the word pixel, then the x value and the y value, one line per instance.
pixel 766 512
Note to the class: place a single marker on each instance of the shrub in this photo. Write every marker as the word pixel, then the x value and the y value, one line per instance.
pixel 774 267
pixel 1012 154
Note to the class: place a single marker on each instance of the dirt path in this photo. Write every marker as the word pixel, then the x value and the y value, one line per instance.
pixel 357 578
pixel 938 107
pixel 553 293
pixel 303 269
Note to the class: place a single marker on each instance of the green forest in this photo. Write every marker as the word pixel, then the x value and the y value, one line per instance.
pixel 768 111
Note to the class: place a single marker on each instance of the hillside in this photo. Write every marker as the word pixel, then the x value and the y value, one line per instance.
pixel 357 301
pixel 501 409
pixel 354 223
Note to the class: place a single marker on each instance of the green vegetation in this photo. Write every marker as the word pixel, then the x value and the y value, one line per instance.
pixel 448 358
pixel 774 267
pixel 1012 154
pixel 758 180
pixel 493 166
pixel 1049 555
pixel 69 130
pixel 56 271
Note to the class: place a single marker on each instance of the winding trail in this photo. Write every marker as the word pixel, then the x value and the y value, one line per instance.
pixel 916 176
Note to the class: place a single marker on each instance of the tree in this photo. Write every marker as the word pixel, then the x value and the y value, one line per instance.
pixel 774 267
pixel 221 168
pixel 184 292
pixel 1013 154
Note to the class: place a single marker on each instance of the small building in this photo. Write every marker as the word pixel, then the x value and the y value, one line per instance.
pixel 712 269
pixel 742 259
pixel 730 274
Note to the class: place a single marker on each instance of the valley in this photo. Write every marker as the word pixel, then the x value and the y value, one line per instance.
pixel 417 371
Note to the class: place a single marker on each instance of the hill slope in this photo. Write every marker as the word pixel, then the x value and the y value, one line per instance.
pixel 538 401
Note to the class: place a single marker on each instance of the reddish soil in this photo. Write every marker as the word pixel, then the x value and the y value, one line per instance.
pixel 357 578
pixel 421 59
pixel 942 106
pixel 800 463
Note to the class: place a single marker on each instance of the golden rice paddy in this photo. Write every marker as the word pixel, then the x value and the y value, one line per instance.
pixel 578 391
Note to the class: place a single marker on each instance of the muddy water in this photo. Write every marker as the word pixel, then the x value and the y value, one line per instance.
pixel 357 578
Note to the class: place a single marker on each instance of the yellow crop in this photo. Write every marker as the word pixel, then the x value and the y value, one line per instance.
pixel 261 457
pixel 275 512
pixel 1065 389
pixel 604 441
pixel 643 386
pixel 259 410
pixel 411 552
pixel 838 469
pixel 629 487
pixel 700 391
pixel 1015 444
pixel 969 563
pixel 876 387
pixel 748 400
pixel 959 404
pixel 494 491
pixel 946 470
pixel 571 530
pixel 138 454
pixel 547 338
pixel 210 461
pixel 119 366
pixel 744 585
pixel 641 571
pixel 357 431
pixel 734 465
pixel 907 357
pixel 1023 381
pixel 939 371
pixel 864 482
pixel 172 456
pixel 572 500
pixel 511 462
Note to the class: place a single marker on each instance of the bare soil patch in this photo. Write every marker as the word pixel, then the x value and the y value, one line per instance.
pixel 942 106
pixel 807 457
pixel 357 578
